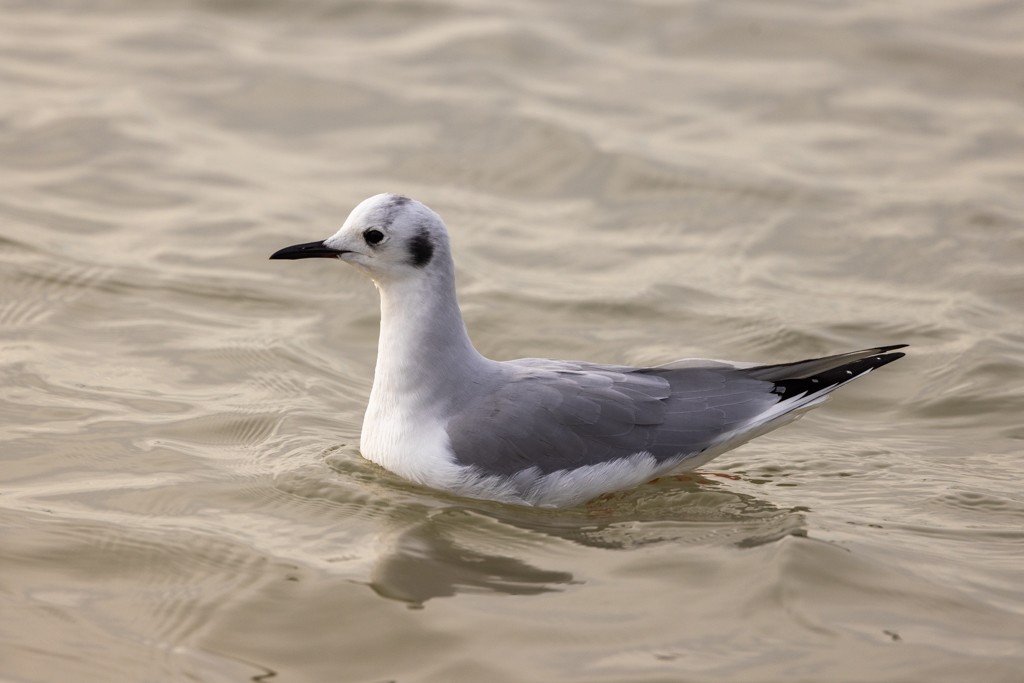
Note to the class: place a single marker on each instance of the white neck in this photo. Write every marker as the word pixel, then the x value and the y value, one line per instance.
pixel 426 366
pixel 424 356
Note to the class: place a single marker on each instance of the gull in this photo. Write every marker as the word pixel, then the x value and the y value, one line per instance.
pixel 534 431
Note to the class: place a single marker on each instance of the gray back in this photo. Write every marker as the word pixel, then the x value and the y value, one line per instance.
pixel 557 415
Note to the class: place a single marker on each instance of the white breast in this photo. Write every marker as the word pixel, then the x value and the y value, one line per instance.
pixel 411 443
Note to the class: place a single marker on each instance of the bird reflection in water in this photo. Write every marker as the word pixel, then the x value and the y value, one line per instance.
pixel 483 547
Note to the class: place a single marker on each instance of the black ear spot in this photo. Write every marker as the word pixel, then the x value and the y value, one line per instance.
pixel 421 249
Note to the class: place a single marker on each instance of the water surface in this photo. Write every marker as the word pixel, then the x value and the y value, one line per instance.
pixel 181 492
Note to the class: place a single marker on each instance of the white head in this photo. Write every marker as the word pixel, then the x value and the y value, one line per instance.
pixel 388 236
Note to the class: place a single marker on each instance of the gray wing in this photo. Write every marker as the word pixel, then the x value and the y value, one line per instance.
pixel 558 416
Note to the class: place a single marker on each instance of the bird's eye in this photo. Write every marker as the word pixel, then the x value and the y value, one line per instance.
pixel 373 236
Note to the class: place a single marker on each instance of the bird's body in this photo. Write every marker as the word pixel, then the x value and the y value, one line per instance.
pixel 536 431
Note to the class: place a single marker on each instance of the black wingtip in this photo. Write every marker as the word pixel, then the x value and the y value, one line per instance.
pixel 893 347
pixel 885 359
pixel 824 382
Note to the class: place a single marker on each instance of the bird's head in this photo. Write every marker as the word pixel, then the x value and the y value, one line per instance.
pixel 388 236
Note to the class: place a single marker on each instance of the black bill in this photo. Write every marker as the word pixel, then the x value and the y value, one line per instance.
pixel 307 250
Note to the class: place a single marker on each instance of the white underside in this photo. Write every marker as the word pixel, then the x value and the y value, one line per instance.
pixel 416 447
pixel 564 488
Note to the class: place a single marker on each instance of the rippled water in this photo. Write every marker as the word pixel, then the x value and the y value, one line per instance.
pixel 181 492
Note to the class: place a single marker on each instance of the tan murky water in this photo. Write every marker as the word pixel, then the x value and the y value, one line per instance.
pixel 181 493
